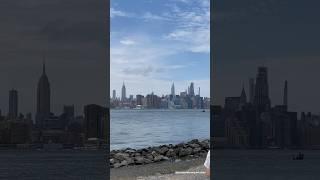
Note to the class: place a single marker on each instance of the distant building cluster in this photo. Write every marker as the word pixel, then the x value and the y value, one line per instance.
pixel 185 100
pixel 48 128
pixel 251 122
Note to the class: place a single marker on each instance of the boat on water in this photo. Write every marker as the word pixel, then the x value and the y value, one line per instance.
pixel 138 107
pixel 299 156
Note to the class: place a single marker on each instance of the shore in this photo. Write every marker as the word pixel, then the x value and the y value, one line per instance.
pixel 162 170
pixel 160 162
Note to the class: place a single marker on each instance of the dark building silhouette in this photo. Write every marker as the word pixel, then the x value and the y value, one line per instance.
pixel 255 124
pixel 261 94
pixel 95 121
pixel 243 97
pixel 13 104
pixel 43 98
pixel 251 90
pixel 285 94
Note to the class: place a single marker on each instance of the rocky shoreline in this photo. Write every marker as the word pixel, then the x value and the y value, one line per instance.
pixel 130 157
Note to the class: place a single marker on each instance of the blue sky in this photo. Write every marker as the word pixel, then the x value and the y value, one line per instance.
pixel 157 42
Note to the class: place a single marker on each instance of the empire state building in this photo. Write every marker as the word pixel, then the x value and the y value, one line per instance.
pixel 43 98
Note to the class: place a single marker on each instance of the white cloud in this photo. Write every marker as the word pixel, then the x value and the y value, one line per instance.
pixel 115 13
pixel 149 17
pixel 138 60
pixel 127 42
pixel 193 27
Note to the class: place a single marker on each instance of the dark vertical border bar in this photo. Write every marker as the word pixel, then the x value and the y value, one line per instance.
pixel 107 30
pixel 211 87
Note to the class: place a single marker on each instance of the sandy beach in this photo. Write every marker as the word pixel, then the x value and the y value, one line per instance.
pixel 162 171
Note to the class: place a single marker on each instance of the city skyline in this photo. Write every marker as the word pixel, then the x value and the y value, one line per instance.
pixel 118 94
pixel 249 34
pixel 173 45
pixel 72 38
pixel 43 100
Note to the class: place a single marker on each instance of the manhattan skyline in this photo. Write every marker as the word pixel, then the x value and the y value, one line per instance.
pixel 249 34
pixel 160 44
pixel 72 38
pixel 172 87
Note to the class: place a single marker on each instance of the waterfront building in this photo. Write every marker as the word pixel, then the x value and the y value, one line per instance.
pixel 13 104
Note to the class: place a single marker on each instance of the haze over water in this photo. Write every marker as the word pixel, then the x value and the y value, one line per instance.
pixel 144 128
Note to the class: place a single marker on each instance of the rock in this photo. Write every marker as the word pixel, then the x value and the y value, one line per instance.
pixel 197 150
pixel 149 156
pixel 185 152
pixel 130 151
pixel 124 163
pixel 158 158
pixel 121 156
pixel 171 153
pixel 194 145
pixel 194 141
pixel 130 160
pixel 140 160
pixel 117 165
pixel 163 150
pixel 111 161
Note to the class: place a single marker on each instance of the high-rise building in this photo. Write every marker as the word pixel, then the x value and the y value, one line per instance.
pixel 261 95
pixel 173 93
pixel 139 99
pixel 243 97
pixel 13 104
pixel 285 94
pixel 43 98
pixel 123 93
pixel 191 93
pixel 68 110
pixel 95 121
pixel 251 90
pixel 114 95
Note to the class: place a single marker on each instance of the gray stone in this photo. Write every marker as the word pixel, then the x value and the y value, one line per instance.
pixel 171 153
pixel 197 150
pixel 194 145
pixel 117 165
pixel 185 152
pixel 163 150
pixel 121 156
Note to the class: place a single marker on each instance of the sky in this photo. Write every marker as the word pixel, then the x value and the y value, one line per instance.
pixel 281 35
pixel 155 43
pixel 72 37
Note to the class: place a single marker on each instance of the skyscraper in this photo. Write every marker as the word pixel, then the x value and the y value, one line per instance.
pixel 243 97
pixel 123 93
pixel 191 89
pixel 251 90
pixel 13 104
pixel 114 95
pixel 43 98
pixel 285 94
pixel 95 121
pixel 261 95
pixel 173 93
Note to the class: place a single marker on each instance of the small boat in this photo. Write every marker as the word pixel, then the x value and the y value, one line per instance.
pixel 299 156
pixel 203 111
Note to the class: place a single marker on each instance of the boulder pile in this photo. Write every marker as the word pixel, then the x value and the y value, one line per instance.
pixel 128 156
